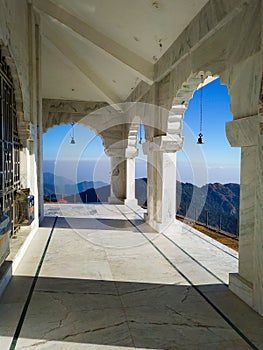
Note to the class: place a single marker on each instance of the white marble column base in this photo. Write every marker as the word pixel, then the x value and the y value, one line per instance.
pixel 241 287
pixel 161 227
pixel 131 202
pixel 114 200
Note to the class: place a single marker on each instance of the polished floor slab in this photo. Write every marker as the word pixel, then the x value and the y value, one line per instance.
pixel 107 281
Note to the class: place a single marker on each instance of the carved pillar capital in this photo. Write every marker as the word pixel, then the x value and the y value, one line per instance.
pixel 115 152
pixel 167 144
pixel 131 152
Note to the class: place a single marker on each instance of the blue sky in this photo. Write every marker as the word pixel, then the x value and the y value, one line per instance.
pixel 214 161
pixel 216 112
pixel 222 161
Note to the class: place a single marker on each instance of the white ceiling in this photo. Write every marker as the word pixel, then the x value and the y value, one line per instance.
pixel 62 79
pixel 74 67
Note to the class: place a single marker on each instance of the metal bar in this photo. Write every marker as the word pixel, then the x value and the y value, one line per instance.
pixel 9 143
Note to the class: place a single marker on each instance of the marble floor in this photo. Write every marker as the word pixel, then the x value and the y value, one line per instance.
pixel 96 277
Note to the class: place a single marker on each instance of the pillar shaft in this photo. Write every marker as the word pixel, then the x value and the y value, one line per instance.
pixel 247 211
pixel 151 175
pixel 258 230
pixel 248 282
pixel 118 180
pixel 165 187
pixel 130 153
pixel 161 181
pixel 122 175
pixel 130 178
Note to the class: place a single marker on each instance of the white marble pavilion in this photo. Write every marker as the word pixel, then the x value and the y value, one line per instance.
pixel 110 65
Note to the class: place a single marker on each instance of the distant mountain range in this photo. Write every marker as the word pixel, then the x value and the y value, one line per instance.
pixel 220 204
pixel 59 184
pixel 220 201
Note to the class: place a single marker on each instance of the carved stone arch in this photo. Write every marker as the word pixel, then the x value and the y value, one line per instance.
pixel 151 116
pixel 187 89
pixel 57 112
pixel 133 132
pixel 179 86
pixel 23 125
pixel 182 97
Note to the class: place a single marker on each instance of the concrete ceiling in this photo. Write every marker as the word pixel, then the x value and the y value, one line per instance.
pixel 101 49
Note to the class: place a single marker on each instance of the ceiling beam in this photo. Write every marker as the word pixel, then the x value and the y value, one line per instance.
pixel 188 41
pixel 135 63
pixel 104 90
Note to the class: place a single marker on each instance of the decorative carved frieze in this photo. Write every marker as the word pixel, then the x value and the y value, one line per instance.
pixel 56 112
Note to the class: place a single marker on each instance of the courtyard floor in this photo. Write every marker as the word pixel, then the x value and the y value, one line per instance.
pixel 96 277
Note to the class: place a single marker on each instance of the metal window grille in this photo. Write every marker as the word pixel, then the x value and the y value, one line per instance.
pixel 9 143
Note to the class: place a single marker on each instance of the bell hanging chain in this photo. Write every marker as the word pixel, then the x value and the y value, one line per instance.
pixel 140 141
pixel 201 104
pixel 200 140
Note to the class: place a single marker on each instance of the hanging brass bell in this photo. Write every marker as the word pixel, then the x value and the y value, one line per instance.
pixel 72 142
pixel 200 140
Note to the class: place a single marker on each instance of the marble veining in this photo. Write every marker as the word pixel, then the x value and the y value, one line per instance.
pixel 94 295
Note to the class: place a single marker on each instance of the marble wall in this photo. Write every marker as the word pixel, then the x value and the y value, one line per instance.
pixel 20 43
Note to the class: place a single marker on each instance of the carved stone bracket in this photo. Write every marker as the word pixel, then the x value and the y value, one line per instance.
pixel 244 132
pixel 131 152
pixel 25 131
pixel 115 152
pixel 167 143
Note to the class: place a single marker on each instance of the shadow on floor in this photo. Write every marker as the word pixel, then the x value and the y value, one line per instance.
pixel 90 223
pixel 128 314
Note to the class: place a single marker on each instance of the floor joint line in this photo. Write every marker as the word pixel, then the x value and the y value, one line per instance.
pixel 30 294
pixel 226 319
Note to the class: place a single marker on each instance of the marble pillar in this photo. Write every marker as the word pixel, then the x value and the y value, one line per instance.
pixel 118 175
pixel 257 299
pixel 165 187
pixel 161 173
pixel 130 154
pixel 247 133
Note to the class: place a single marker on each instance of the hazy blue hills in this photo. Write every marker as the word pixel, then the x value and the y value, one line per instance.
pixel 214 204
pixel 101 194
pixel 59 184
pixel 50 178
